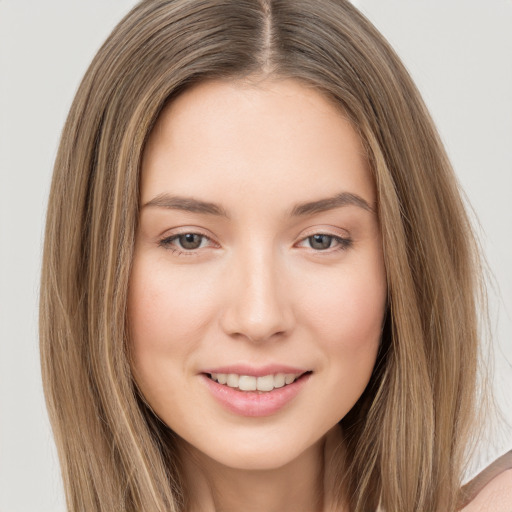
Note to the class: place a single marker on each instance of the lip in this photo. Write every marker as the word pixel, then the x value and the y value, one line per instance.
pixel 254 403
pixel 260 371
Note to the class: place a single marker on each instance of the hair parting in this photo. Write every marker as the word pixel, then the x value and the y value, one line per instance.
pixel 407 436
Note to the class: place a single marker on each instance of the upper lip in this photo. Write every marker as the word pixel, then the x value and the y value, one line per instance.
pixel 256 371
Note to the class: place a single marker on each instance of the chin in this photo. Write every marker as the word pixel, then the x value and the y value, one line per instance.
pixel 256 455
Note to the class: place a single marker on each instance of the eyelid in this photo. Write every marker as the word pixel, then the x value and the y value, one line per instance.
pixel 344 241
pixel 169 236
pixel 327 230
pixel 342 244
pixel 324 229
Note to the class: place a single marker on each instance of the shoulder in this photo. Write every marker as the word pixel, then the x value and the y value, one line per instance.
pixel 496 496
pixel 491 490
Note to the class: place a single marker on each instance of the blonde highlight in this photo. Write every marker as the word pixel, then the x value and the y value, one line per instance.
pixel 406 438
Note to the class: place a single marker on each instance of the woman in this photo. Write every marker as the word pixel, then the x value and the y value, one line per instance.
pixel 259 283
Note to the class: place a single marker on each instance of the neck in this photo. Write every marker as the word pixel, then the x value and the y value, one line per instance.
pixel 298 485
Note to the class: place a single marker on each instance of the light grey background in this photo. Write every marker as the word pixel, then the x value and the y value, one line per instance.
pixel 458 51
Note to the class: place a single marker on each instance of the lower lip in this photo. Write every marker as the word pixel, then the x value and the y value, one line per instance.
pixel 254 403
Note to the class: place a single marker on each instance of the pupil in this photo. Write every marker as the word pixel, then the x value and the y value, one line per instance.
pixel 190 241
pixel 320 241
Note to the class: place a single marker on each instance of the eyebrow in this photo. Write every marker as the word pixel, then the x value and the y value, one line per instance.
pixel 187 204
pixel 330 203
pixel 190 204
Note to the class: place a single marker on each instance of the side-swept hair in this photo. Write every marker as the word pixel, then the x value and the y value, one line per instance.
pixel 406 436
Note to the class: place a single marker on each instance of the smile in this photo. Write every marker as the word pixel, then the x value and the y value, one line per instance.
pixel 264 383
pixel 255 396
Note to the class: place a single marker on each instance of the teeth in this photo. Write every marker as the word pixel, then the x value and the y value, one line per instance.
pixel 265 383
pixel 247 383
pixel 251 383
pixel 232 380
pixel 288 379
pixel 279 380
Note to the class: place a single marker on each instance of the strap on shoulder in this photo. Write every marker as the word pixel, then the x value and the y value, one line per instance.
pixel 474 486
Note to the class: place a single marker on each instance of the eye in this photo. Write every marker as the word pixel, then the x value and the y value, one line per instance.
pixel 323 242
pixel 185 242
pixel 320 242
pixel 190 241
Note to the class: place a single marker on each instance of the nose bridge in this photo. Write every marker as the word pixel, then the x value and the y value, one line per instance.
pixel 257 307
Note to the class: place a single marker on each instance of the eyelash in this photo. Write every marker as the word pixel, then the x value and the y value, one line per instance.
pixel 167 243
pixel 342 243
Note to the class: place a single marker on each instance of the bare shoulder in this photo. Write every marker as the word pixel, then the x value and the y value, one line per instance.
pixel 496 496
pixel 491 490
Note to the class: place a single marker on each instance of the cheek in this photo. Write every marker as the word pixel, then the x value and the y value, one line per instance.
pixel 347 314
pixel 348 310
pixel 164 327
pixel 159 306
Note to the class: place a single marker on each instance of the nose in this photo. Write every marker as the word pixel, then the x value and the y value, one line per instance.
pixel 258 305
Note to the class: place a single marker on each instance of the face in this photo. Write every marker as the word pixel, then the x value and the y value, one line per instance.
pixel 258 288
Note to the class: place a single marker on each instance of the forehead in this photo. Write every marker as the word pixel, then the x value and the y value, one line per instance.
pixel 267 137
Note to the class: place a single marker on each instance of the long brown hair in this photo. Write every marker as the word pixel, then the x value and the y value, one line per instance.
pixel 406 437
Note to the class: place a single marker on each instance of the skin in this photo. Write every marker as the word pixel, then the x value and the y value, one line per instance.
pixel 257 290
pixel 496 496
